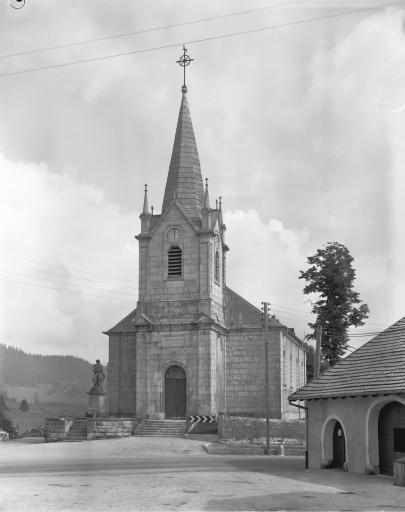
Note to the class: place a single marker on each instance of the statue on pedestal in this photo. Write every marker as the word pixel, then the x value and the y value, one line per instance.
pixel 96 394
pixel 98 377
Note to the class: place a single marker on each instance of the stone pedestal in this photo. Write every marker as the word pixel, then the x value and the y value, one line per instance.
pixel 96 405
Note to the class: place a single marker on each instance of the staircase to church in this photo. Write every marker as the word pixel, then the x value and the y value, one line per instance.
pixel 161 428
pixel 78 430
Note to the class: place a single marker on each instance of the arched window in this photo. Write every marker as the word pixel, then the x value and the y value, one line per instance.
pixel 174 262
pixel 216 273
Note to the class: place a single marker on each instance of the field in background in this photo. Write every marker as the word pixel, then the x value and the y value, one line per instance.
pixel 37 414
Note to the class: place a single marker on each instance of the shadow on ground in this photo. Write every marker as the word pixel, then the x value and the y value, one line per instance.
pixel 302 501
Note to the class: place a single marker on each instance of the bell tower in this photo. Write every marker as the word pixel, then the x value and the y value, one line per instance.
pixel 180 314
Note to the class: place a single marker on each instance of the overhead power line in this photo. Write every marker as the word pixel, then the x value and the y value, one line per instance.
pixel 65 275
pixel 151 29
pixel 71 268
pixel 201 40
pixel 63 290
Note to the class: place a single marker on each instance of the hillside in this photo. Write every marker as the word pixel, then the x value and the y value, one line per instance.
pixel 40 378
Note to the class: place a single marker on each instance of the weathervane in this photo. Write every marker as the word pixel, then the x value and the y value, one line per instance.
pixel 184 61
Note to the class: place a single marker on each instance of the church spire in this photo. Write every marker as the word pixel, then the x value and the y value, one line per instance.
pixel 145 215
pixel 206 196
pixel 145 210
pixel 184 182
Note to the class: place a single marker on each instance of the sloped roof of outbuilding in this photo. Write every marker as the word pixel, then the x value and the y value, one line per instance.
pixel 376 368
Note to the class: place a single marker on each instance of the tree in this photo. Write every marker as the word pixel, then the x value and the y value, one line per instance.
pixel 331 275
pixel 24 407
pixel 5 423
pixel 3 405
pixel 310 366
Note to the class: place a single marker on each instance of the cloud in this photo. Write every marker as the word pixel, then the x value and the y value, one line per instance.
pixel 264 263
pixel 68 264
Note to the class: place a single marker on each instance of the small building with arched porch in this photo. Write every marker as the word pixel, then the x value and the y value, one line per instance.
pixel 356 409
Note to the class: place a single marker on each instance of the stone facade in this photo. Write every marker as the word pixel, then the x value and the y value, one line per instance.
pixel 192 345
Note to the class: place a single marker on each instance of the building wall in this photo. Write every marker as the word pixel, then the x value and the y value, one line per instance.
pixel 138 363
pixel 293 373
pixel 122 374
pixel 154 282
pixel 359 419
pixel 245 373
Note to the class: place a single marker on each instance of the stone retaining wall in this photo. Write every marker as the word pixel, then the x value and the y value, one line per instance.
pixel 238 428
pixel 105 428
pixel 57 429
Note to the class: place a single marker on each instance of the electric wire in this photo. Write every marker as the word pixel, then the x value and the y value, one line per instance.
pixel 200 40
pixel 65 275
pixel 152 29
pixel 74 284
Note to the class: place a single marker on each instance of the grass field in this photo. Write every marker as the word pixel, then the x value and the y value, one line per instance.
pixel 37 414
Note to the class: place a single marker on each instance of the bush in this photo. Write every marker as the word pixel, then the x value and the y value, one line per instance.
pixel 5 423
pixel 24 407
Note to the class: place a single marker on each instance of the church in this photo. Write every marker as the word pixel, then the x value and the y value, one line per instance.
pixel 193 346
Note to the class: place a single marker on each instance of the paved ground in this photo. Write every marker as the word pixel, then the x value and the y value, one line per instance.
pixel 175 474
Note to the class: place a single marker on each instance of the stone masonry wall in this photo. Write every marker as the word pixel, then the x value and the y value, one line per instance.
pixel 122 374
pixel 235 427
pixel 191 349
pixel 104 428
pixel 245 373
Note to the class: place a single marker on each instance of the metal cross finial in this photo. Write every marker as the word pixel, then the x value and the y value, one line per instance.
pixel 206 183
pixel 184 61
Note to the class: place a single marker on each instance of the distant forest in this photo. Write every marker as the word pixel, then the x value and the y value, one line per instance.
pixel 17 368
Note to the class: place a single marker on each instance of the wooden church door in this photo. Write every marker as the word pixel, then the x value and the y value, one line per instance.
pixel 175 392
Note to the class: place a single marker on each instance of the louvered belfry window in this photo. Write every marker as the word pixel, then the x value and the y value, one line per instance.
pixel 217 266
pixel 174 262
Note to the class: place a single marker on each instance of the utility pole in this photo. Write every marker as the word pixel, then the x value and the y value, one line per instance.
pixel 317 369
pixel 265 325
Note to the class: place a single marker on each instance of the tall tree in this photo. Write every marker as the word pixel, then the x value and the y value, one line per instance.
pixel 24 407
pixel 331 276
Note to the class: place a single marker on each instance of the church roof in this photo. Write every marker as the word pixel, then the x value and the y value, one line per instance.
pixel 184 182
pixel 124 325
pixel 377 367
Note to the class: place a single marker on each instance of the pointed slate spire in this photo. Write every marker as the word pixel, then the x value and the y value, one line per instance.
pixel 145 215
pixel 184 182
pixel 206 196
pixel 145 210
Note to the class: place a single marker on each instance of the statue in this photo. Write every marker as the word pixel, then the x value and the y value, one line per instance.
pixel 98 377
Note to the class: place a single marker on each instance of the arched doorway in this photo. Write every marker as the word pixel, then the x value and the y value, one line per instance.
pixel 339 450
pixel 391 435
pixel 175 392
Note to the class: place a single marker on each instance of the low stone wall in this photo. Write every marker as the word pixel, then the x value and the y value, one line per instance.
pixel 56 429
pixel 107 428
pixel 250 429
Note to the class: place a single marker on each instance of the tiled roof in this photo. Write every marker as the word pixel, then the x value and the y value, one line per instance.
pixel 377 367
pixel 184 181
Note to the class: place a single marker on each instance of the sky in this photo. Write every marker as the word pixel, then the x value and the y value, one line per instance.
pixel 299 127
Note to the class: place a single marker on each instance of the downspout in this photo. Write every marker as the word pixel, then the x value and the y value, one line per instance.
pixel 306 428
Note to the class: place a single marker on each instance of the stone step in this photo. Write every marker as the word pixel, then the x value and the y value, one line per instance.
pixel 78 431
pixel 161 434
pixel 161 428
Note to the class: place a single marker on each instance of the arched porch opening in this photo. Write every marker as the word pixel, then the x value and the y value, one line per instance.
pixel 384 431
pixel 334 450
